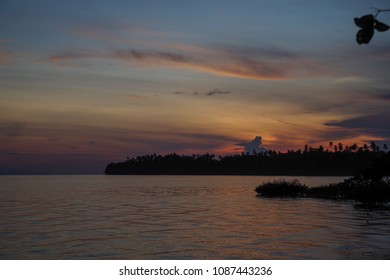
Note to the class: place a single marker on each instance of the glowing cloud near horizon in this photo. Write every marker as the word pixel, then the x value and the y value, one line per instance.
pixel 254 146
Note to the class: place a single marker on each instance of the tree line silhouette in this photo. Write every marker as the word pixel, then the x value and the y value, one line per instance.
pixel 335 160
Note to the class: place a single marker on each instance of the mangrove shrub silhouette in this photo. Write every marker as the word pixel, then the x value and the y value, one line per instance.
pixel 371 185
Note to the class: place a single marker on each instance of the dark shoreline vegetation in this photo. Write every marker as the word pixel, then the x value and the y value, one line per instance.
pixel 354 188
pixel 337 160
pixel 369 166
pixel 370 186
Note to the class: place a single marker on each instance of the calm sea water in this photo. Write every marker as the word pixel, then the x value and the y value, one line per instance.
pixel 180 217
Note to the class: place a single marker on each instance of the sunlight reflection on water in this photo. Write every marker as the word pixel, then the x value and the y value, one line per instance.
pixel 180 217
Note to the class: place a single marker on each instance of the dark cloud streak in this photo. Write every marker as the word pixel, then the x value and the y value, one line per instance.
pixel 208 93
pixel 217 92
pixel 376 125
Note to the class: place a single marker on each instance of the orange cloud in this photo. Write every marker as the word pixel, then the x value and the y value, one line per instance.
pixel 136 97
pixel 258 64
pixel 221 65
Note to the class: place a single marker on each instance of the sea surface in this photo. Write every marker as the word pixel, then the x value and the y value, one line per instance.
pixel 181 217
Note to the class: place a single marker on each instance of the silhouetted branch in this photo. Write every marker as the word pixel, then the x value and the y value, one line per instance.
pixel 377 11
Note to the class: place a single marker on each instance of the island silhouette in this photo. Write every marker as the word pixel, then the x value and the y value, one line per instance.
pixel 335 160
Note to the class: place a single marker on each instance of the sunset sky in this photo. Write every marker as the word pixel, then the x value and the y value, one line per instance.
pixel 84 83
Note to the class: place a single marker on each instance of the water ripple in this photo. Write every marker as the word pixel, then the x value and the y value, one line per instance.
pixel 179 217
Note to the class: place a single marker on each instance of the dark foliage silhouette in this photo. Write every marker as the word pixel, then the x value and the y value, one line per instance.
pixel 368 24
